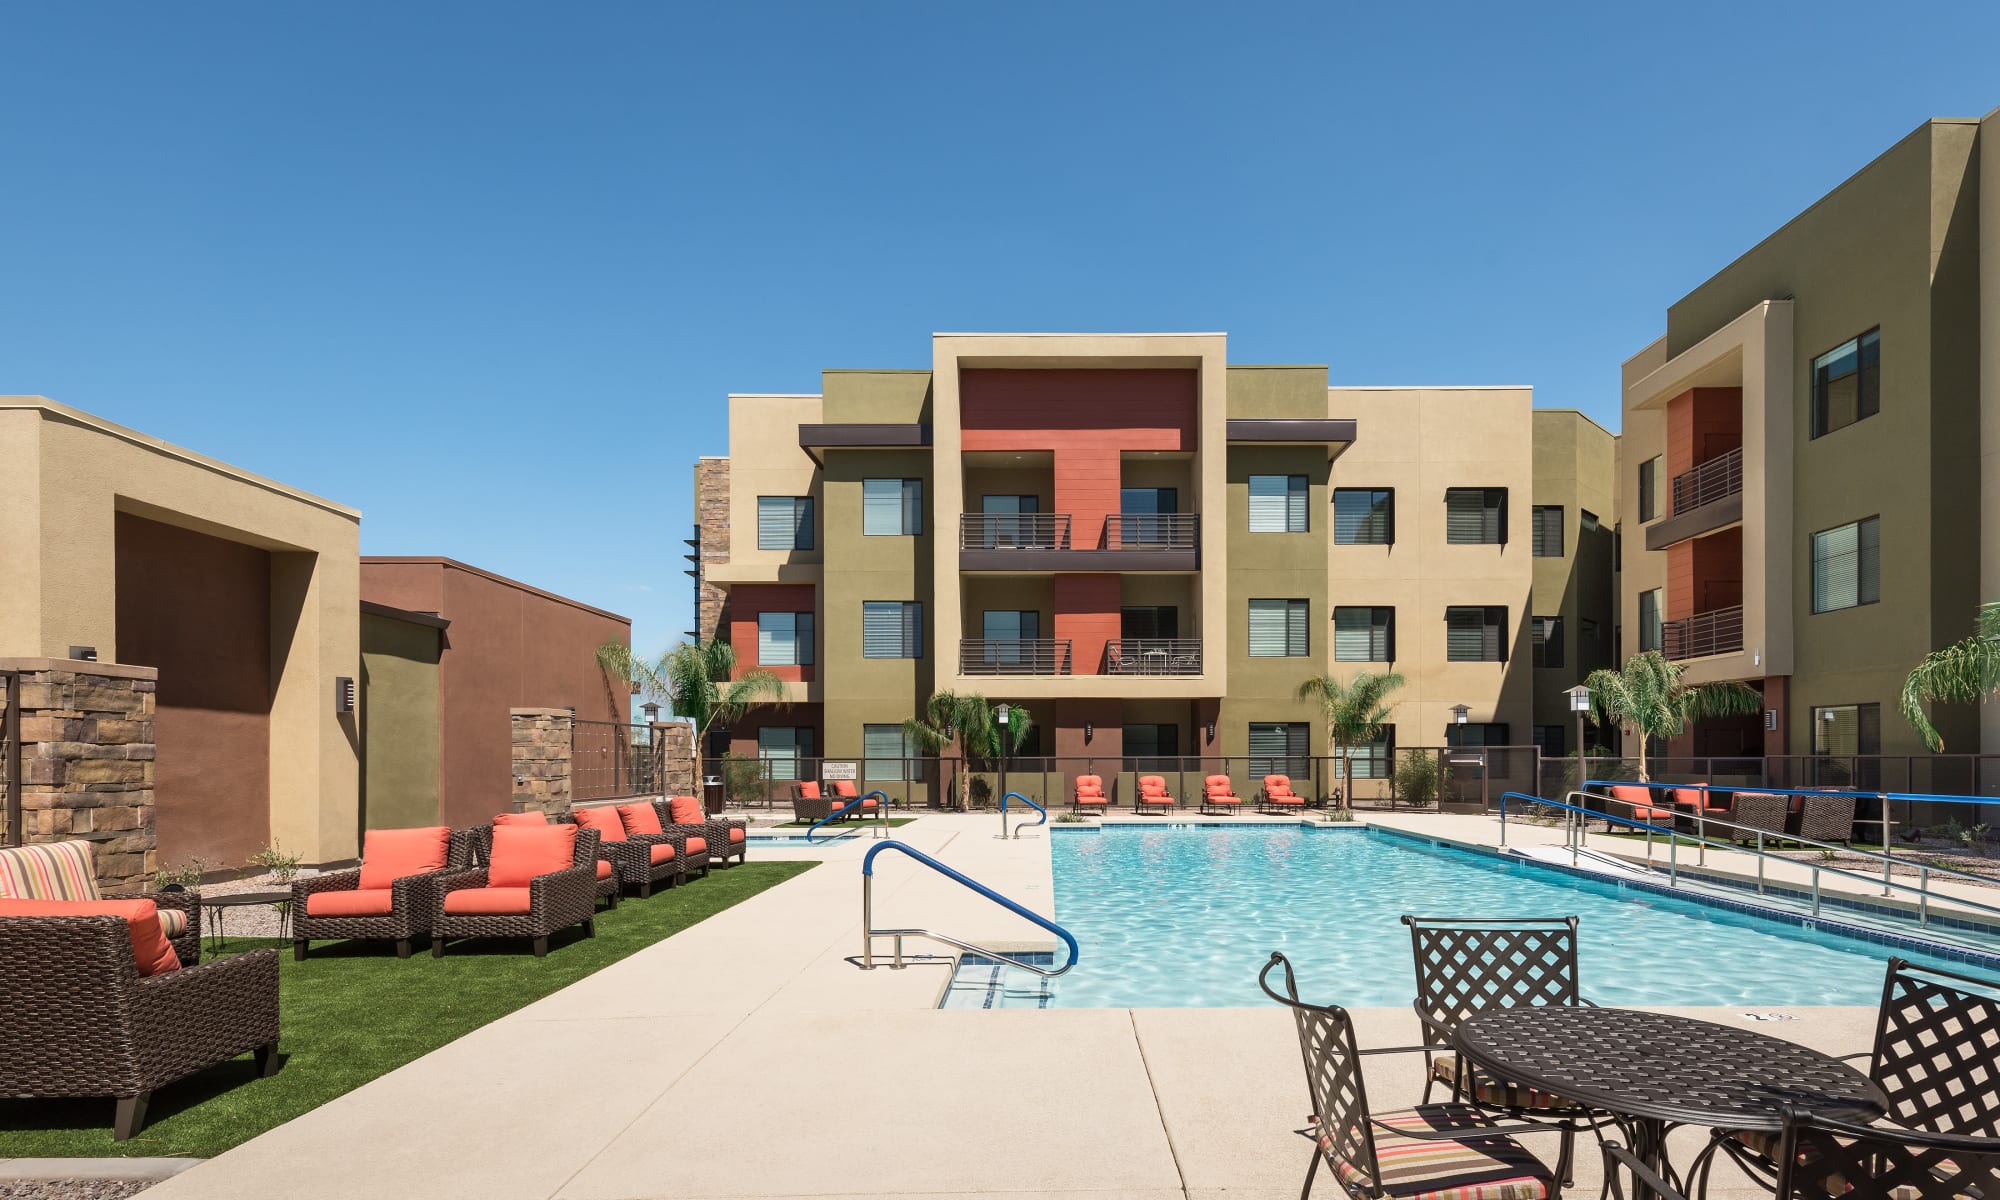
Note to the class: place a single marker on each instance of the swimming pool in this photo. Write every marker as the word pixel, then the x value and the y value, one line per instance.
pixel 1185 917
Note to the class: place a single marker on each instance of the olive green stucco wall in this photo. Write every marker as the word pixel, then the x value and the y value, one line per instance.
pixel 1274 566
pixel 399 722
pixel 1575 467
pixel 875 397
pixel 1274 392
pixel 1895 246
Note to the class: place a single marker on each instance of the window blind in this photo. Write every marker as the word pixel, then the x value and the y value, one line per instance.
pixel 1475 516
pixel 1847 566
pixel 892 629
pixel 1652 632
pixel 892 507
pixel 784 639
pixel 1279 749
pixel 1548 531
pixel 1278 629
pixel 1546 639
pixel 1372 759
pixel 1364 516
pixel 887 750
pixel 784 523
pixel 781 747
pixel 1362 634
pixel 1278 504
pixel 1475 633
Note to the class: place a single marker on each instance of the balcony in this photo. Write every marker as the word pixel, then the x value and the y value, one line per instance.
pixel 1041 542
pixel 1152 656
pixel 1717 632
pixel 1704 500
pixel 1013 656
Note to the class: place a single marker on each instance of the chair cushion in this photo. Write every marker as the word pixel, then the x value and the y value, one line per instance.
pixel 1495 1168
pixel 697 845
pixel 1224 798
pixel 808 790
pixel 1277 785
pixel 173 922
pixel 521 852
pixel 1092 798
pixel 1219 785
pixel 844 788
pixel 390 854
pixel 662 852
pixel 603 869
pixel 521 818
pixel 489 901
pixel 1493 1093
pixel 1088 786
pixel 1286 798
pixel 48 871
pixel 150 949
pixel 1152 785
pixel 640 818
pixel 735 834
pixel 351 902
pixel 607 823
pixel 685 810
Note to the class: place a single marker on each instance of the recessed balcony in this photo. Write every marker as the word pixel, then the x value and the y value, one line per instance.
pixel 1014 656
pixel 1717 632
pixel 1704 499
pixel 1044 542
pixel 1152 656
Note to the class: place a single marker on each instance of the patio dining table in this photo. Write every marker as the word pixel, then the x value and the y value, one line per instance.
pixel 1654 1072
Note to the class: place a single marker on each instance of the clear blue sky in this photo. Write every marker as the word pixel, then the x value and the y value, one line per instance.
pixel 486 271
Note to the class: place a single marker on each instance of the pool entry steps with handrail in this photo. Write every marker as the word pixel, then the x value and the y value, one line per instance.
pixel 881 813
pixel 1004 835
pixel 869 933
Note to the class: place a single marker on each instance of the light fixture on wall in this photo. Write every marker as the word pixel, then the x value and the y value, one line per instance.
pixel 83 653
pixel 1211 733
pixel 1089 731
pixel 343 693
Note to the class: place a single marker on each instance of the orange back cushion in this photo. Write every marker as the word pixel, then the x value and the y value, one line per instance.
pixel 1277 785
pixel 389 854
pixel 685 810
pixel 604 820
pixel 844 788
pixel 521 852
pixel 1152 785
pixel 1218 785
pixel 150 948
pixel 809 790
pixel 640 818
pixel 1090 785
pixel 521 818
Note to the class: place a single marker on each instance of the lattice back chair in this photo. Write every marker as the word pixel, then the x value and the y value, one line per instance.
pixel 1472 965
pixel 1823 1159
pixel 1937 1051
pixel 1333 1074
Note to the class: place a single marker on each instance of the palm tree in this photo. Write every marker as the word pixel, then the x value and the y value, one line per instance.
pixel 1648 695
pixel 1964 672
pixel 973 723
pixel 699 681
pixel 1355 713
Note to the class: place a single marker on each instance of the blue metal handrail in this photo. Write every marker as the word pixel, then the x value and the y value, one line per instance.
pixel 1929 797
pixel 846 808
pixel 1018 828
pixel 1589 813
pixel 869 932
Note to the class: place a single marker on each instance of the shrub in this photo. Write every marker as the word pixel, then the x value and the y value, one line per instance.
pixel 186 876
pixel 1417 780
pixel 743 780
pixel 280 866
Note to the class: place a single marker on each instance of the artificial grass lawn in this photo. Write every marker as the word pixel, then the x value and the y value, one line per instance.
pixel 866 823
pixel 354 1011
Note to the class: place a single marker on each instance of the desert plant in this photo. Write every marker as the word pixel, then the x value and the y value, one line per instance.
pixel 1417 779
pixel 1341 815
pixel 1974 839
pixel 701 681
pixel 1649 695
pixel 1354 712
pixel 1068 818
pixel 1965 672
pixel 742 780
pixel 280 866
pixel 974 724
pixel 187 876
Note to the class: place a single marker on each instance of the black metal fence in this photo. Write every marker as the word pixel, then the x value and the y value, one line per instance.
pixel 11 818
pixel 609 759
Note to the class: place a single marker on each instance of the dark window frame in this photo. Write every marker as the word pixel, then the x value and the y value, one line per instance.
pixel 1490 615
pixel 1375 617
pixel 1860 576
pixel 1542 532
pixel 1388 503
pixel 1866 342
pixel 1487 501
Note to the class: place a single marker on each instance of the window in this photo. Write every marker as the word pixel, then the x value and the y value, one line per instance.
pixel 1475 633
pixel 1652 488
pixel 784 639
pixel 1279 748
pixel 887 751
pixel 1149 621
pixel 1548 531
pixel 1375 760
pixel 1011 521
pixel 1847 383
pixel 1152 747
pixel 1652 627
pixel 1278 629
pixel 1277 504
pixel 1549 740
pixel 1589 520
pixel 1364 635
pixel 1847 566
pixel 1142 508
pixel 1364 516
pixel 1011 635
pixel 892 629
pixel 1848 729
pixel 1475 516
pixel 784 523
pixel 1545 636
pixel 1473 735
pixel 892 507
pixel 783 749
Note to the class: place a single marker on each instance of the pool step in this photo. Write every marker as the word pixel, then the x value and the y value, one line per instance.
pixel 980 982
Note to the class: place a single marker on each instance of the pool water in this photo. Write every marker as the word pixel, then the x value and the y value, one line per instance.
pixel 1186 917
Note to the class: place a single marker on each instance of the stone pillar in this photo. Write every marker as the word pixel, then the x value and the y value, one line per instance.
pixel 675 743
pixel 542 749
pixel 711 504
pixel 87 763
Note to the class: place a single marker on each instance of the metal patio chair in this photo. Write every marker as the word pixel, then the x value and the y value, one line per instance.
pixel 1427 1152
pixel 1825 1159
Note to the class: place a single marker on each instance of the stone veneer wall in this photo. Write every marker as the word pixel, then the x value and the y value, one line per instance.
pixel 711 502
pixel 676 742
pixel 87 754
pixel 542 750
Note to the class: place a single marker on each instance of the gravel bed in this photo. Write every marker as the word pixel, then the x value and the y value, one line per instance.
pixel 255 920
pixel 71 1189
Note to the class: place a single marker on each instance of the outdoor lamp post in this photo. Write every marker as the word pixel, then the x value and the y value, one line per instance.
pixel 1005 713
pixel 1579 703
pixel 1458 714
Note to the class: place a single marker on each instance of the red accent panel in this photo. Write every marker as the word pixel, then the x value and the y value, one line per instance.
pixel 747 602
pixel 1704 574
pixel 1086 611
pixel 1702 423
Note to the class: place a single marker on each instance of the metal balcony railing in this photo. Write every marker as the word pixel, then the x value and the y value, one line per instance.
pixel 1013 656
pixel 1717 632
pixel 1152 656
pixel 1013 531
pixel 1716 479
pixel 1151 531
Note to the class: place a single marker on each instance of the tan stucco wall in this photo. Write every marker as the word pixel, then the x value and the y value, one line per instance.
pixel 84 472
pixel 765 460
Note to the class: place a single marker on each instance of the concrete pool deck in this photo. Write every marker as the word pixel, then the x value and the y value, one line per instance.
pixel 748 1057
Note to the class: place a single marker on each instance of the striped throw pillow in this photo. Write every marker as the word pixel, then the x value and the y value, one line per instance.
pixel 49 871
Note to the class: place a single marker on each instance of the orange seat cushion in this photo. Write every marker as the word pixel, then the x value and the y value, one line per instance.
pixel 488 901
pixel 663 852
pixel 604 820
pixel 1287 798
pixel 809 791
pixel 521 818
pixel 1082 798
pixel 735 834
pixel 389 854
pixel 685 810
pixel 521 852
pixel 603 869
pixel 640 818
pixel 354 902
pixel 150 948
pixel 1215 799
pixel 697 845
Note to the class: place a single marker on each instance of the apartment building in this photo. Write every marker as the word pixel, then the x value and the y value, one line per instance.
pixel 1805 450
pixel 1149 548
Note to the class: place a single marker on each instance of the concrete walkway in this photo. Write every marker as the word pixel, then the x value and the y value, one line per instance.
pixel 748 1057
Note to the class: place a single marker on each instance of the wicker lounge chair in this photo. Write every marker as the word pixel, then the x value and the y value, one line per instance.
pixel 66 871
pixel 1089 793
pixel 709 839
pixel 608 886
pixel 810 802
pixel 638 858
pixel 1635 802
pixel 1466 966
pixel 1220 794
pixel 1153 795
pixel 1757 810
pixel 390 897
pixel 1428 1152
pixel 1277 795
pixel 82 1021
pixel 1825 818
pixel 521 892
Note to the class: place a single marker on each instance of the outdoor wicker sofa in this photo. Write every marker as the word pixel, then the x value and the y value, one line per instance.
pixel 389 897
pixel 1828 817
pixel 522 891
pixel 83 1021
pixel 609 886
pixel 725 838
pixel 67 871
pixel 1219 793
pixel 640 859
